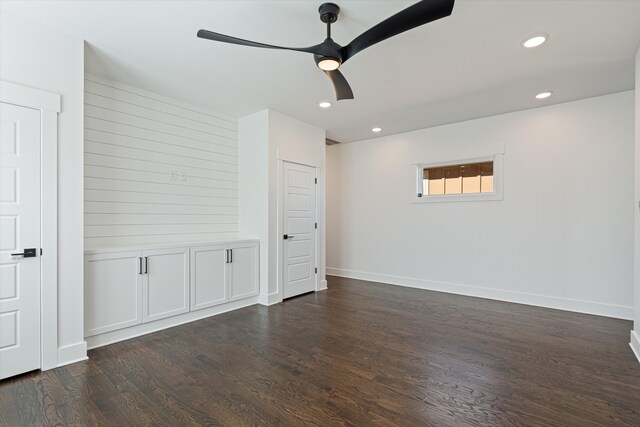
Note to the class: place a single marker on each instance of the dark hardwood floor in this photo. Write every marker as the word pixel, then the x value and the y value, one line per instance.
pixel 359 354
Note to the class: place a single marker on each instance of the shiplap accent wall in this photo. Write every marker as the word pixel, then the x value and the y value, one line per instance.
pixel 156 170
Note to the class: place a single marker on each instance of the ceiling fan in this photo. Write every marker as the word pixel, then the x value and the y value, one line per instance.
pixel 329 55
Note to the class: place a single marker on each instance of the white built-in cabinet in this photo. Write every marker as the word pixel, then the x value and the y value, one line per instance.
pixel 113 292
pixel 243 271
pixel 209 276
pixel 223 273
pixel 128 288
pixel 165 283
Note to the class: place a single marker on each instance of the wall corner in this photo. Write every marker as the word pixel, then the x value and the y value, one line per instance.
pixel 635 342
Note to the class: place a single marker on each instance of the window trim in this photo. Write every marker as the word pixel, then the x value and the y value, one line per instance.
pixel 496 195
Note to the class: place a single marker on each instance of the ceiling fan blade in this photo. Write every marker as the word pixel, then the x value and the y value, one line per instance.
pixel 343 90
pixel 210 35
pixel 416 15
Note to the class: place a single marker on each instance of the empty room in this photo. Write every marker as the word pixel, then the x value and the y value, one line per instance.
pixel 288 213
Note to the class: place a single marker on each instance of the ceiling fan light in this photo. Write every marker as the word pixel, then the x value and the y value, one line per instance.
pixel 328 64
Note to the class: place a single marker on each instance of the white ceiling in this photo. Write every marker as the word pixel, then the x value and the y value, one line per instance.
pixel 466 66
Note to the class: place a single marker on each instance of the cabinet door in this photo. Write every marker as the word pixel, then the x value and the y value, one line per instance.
pixel 243 271
pixel 112 292
pixel 208 276
pixel 166 283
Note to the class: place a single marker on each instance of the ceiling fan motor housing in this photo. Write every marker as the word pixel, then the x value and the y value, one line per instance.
pixel 328 50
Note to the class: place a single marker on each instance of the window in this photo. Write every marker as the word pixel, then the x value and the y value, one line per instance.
pixel 456 176
pixel 469 178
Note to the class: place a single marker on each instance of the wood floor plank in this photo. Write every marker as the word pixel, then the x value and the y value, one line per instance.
pixel 359 354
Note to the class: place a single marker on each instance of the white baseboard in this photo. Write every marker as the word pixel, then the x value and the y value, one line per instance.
pixel 269 299
pixel 635 344
pixel 169 322
pixel 579 306
pixel 322 286
pixel 72 353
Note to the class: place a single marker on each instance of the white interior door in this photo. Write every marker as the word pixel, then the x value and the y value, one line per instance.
pixel 299 219
pixel 19 233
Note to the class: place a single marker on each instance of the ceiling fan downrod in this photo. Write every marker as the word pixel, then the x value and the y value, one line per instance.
pixel 329 55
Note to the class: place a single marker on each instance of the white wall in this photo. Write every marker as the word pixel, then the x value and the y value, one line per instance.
pixel 266 139
pixel 635 334
pixel 253 150
pixel 157 170
pixel 562 237
pixel 297 142
pixel 37 56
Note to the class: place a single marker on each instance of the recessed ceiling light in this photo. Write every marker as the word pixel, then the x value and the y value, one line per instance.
pixel 543 95
pixel 535 40
pixel 324 104
pixel 376 129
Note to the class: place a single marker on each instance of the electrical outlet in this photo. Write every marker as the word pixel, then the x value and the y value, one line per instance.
pixel 177 176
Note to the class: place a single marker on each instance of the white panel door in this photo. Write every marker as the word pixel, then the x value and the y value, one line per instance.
pixel 166 283
pixel 112 291
pixel 19 230
pixel 299 219
pixel 243 271
pixel 208 276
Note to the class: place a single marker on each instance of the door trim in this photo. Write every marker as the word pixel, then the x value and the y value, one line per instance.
pixel 304 161
pixel 49 106
pixel 299 159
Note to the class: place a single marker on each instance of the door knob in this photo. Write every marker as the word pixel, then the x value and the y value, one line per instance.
pixel 28 253
pixel 287 237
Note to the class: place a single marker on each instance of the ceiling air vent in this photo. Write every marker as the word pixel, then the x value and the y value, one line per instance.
pixel 331 141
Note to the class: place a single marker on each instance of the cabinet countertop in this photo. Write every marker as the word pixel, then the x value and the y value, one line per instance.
pixel 144 247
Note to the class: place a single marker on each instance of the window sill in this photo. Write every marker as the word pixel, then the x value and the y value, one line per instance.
pixel 458 198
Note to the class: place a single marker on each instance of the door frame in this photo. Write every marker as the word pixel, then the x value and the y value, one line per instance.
pixel 305 161
pixel 49 106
